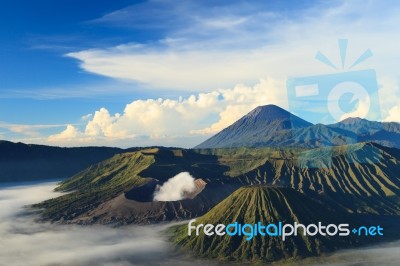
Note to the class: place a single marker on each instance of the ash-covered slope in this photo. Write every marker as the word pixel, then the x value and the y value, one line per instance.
pixel 268 205
pixel 123 209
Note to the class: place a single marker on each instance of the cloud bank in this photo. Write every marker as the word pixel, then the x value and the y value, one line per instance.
pixel 175 187
pixel 186 122
pixel 182 122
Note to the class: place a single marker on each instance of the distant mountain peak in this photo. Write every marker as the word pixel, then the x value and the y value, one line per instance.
pixel 269 112
pixel 258 126
pixel 273 112
pixel 273 126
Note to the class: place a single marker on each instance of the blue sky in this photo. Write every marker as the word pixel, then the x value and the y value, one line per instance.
pixel 35 35
pixel 78 73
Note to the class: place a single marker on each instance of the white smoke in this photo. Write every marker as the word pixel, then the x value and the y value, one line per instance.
pixel 175 188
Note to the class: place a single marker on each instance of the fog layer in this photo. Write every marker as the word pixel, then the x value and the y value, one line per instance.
pixel 26 242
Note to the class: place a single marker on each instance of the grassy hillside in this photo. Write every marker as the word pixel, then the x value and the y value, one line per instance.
pixel 96 184
pixel 266 205
pixel 359 178
pixel 115 176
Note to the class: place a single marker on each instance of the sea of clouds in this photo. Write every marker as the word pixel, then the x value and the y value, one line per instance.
pixel 27 242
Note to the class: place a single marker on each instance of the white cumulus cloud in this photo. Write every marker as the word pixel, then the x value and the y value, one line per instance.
pixel 394 114
pixel 181 122
pixel 213 52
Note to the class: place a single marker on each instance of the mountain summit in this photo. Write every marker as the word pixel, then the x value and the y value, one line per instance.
pixel 256 128
pixel 272 126
pixel 271 113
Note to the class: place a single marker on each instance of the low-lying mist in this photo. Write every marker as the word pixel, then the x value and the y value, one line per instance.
pixel 386 255
pixel 26 242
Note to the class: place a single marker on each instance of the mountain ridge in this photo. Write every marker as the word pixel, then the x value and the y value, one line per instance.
pixel 358 178
pixel 272 126
pixel 27 162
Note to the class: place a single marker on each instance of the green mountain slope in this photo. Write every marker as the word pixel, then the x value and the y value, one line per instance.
pixel 359 178
pixel 95 185
pixel 266 205
pixel 108 183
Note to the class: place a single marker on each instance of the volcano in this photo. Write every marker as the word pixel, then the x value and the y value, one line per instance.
pixel 272 126
pixel 257 128
pixel 268 205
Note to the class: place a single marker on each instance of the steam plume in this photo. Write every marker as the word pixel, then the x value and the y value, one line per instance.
pixel 175 188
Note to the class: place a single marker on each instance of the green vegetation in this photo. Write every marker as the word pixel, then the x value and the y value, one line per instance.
pixel 96 184
pixel 294 172
pixel 108 179
pixel 243 160
pixel 285 185
pixel 359 178
pixel 266 205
